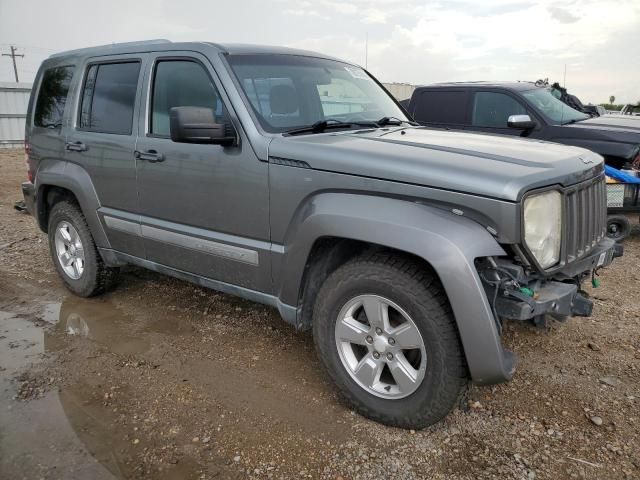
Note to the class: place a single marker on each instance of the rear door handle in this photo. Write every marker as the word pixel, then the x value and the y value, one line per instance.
pixel 150 156
pixel 76 147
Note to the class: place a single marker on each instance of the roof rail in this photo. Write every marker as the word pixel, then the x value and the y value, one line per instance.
pixel 139 43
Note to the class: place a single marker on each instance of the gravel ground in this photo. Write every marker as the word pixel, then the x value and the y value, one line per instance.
pixel 162 379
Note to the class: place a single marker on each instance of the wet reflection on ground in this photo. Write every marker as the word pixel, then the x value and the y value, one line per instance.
pixel 38 440
pixel 103 323
pixel 67 433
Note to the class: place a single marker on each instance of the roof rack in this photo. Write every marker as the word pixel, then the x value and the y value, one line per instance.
pixel 139 43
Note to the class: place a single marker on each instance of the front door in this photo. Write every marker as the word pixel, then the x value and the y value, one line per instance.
pixel 490 112
pixel 204 208
pixel 102 140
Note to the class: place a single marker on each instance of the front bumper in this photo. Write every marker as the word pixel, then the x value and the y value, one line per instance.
pixel 559 296
pixel 29 194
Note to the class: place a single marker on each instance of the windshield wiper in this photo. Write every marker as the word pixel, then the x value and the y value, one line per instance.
pixel 322 125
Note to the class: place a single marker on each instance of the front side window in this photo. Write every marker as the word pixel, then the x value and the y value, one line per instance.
pixel 181 83
pixel 557 111
pixel 492 109
pixel 52 97
pixel 108 97
pixel 442 106
pixel 290 91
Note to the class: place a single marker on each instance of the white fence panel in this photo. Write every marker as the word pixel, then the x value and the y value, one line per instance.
pixel 14 98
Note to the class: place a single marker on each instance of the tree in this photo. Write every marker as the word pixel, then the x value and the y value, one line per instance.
pixel 612 99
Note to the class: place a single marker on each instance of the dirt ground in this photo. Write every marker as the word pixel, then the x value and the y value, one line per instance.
pixel 162 379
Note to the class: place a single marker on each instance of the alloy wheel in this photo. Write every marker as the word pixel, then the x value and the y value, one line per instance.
pixel 380 346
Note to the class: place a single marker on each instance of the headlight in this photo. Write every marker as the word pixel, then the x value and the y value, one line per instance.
pixel 543 226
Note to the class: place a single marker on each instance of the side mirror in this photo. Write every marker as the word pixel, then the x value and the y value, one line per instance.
pixel 197 125
pixel 521 122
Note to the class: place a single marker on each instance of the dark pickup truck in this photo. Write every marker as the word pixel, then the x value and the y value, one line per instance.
pixel 526 110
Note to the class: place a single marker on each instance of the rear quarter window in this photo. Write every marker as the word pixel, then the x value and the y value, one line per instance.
pixel 52 96
pixel 435 106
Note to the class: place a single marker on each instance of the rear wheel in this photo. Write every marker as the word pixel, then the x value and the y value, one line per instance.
pixel 384 330
pixel 74 252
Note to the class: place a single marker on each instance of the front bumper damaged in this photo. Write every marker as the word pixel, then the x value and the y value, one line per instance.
pixel 524 298
pixel 553 298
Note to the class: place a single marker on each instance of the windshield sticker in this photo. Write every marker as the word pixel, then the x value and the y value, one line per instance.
pixel 357 73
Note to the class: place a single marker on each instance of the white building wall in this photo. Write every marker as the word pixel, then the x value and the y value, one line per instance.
pixel 401 91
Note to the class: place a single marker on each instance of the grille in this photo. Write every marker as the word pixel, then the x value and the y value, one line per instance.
pixel 586 217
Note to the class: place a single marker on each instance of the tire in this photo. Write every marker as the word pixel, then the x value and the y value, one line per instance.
pixel 408 289
pixel 618 227
pixel 95 277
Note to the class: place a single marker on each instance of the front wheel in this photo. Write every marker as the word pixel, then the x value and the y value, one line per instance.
pixel 384 330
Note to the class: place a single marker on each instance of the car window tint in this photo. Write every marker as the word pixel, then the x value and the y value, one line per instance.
pixel 52 96
pixel 259 91
pixel 442 106
pixel 181 83
pixel 109 96
pixel 493 109
pixel 286 92
pixel 342 96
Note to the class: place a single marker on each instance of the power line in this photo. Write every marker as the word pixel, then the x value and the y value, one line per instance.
pixel 13 56
pixel 28 47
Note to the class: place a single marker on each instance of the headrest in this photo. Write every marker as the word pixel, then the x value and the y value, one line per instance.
pixel 283 99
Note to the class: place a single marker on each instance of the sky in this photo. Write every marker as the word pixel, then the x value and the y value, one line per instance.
pixel 417 42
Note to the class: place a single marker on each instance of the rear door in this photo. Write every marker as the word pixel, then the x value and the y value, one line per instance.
pixel 441 107
pixel 102 140
pixel 48 109
pixel 204 208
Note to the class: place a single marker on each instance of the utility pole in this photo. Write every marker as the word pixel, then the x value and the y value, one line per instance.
pixel 13 56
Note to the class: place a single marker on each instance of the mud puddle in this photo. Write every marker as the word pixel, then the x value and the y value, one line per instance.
pixel 37 440
pixel 79 376
pixel 68 432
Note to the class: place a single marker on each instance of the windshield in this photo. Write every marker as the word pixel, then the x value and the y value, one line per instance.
pixel 291 91
pixel 553 108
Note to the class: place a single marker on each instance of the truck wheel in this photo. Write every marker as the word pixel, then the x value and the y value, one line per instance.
pixel 74 252
pixel 383 328
pixel 618 227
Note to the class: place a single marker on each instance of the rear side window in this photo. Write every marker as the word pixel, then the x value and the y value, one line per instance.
pixel 493 109
pixel 52 97
pixel 108 97
pixel 181 83
pixel 442 106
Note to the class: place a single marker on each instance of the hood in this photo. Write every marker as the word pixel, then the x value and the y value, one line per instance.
pixel 489 165
pixel 614 123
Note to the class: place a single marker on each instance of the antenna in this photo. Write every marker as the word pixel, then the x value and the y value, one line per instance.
pixel 366 51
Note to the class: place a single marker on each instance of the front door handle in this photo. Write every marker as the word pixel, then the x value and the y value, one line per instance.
pixel 75 147
pixel 150 156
